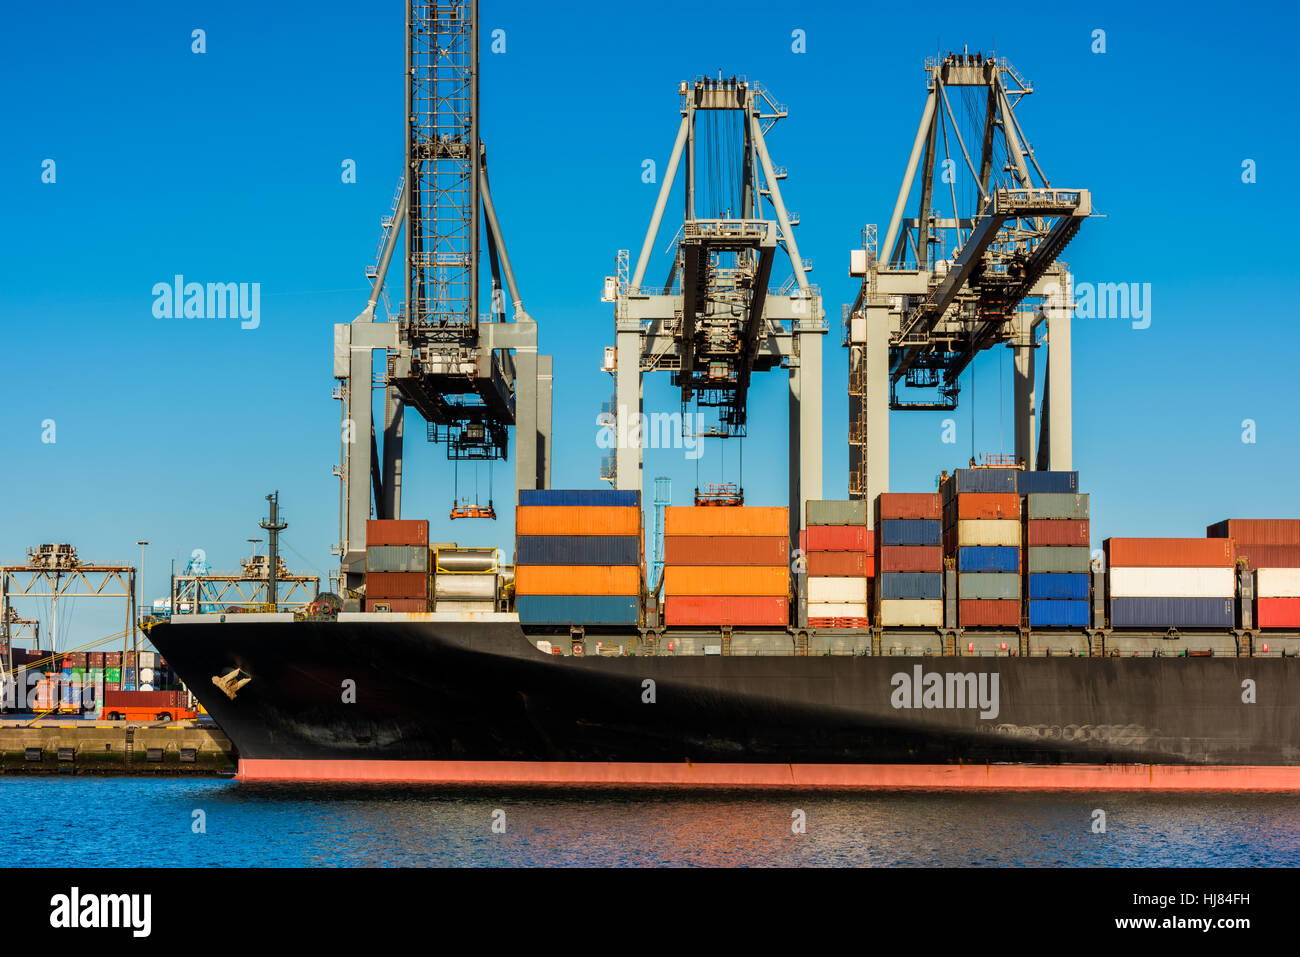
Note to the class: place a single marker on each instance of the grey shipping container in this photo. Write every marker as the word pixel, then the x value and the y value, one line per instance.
pixel 988 585
pixel 1057 505
pixel 911 585
pixel 397 558
pixel 851 512
pixel 1058 558
pixel 1172 612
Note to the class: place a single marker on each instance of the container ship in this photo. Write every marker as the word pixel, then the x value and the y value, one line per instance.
pixel 964 635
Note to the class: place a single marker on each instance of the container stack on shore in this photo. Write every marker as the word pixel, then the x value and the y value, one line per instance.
pixel 982 535
pixel 1058 520
pixel 909 559
pixel 578 558
pixel 840 555
pixel 397 565
pixel 1271 548
pixel 1171 582
pixel 726 565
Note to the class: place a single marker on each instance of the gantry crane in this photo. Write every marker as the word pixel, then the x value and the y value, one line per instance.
pixel 951 286
pixel 471 378
pixel 716 321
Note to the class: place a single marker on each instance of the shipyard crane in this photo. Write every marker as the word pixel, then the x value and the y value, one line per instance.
pixel 716 320
pixel 952 284
pixel 471 377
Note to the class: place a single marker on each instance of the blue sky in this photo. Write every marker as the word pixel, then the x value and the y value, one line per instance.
pixel 225 166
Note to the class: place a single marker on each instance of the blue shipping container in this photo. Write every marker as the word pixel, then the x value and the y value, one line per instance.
pixel 577 609
pixel 981 480
pixel 578 550
pixel 600 497
pixel 1031 483
pixel 988 558
pixel 911 585
pixel 1047 613
pixel 1058 586
pixel 911 531
pixel 1172 612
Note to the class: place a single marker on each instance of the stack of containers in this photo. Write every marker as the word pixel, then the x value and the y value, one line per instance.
pixel 982 534
pixel 578 558
pixel 840 564
pixel 1171 582
pixel 1271 546
pixel 726 565
pixel 909 558
pixel 1058 520
pixel 397 565
pixel 463 579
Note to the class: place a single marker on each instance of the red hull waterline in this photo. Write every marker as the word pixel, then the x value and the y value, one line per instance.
pixel 1038 777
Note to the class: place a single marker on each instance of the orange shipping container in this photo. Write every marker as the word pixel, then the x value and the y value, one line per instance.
pixel 712 580
pixel 726 550
pixel 991 505
pixel 1169 552
pixel 577 520
pixel 577 579
pixel 721 520
pixel 841 565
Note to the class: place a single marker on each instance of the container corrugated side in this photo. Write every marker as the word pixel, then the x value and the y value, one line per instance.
pixel 910 558
pixel 711 611
pixel 397 531
pixel 726 550
pixel 838 609
pixel 988 558
pixel 926 506
pixel 1270 556
pixel 982 505
pixel 1277 583
pixel 896 613
pixel 1051 613
pixel 837 589
pixel 1059 586
pixel 845 512
pixel 578 550
pixel 913 586
pixel 980 480
pixel 405 605
pixel 1001 531
pixel 976 613
pixel 577 520
pixel 710 580
pixel 577 609
pixel 1277 613
pixel 1169 552
pixel 397 558
pixel 1057 558
pixel 840 538
pixel 908 531
pixel 988 585
pixel 1057 531
pixel 1258 531
pixel 397 585
pixel 1031 483
pixel 1172 612
pixel 840 564
pixel 1052 505
pixel 1126 582
pixel 586 498
pixel 577 580
pixel 714 520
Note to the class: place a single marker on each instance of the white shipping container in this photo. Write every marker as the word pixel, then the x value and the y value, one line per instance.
pixel 904 612
pixel 1277 583
pixel 837 589
pixel 988 531
pixel 1173 582
pixel 837 609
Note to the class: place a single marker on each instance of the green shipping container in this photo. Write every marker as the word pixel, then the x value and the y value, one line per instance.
pixel 112 674
pixel 1056 505
pixel 848 512
pixel 988 585
pixel 1058 558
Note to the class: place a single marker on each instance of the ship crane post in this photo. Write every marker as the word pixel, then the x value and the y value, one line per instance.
pixel 951 286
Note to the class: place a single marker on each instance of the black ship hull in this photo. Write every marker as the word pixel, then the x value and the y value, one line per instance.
pixel 480 703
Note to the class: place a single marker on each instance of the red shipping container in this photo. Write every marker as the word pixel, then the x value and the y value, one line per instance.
pixel 112 686
pixel 397 585
pixel 95 659
pixel 1057 531
pixel 711 611
pixel 726 550
pixel 112 659
pixel 74 659
pixel 142 699
pixel 977 612
pixel 1169 552
pixel 983 505
pixel 841 565
pixel 840 538
pixel 1257 531
pixel 1270 556
pixel 398 604
pixel 1277 613
pixel 397 531
pixel 911 558
pixel 908 505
